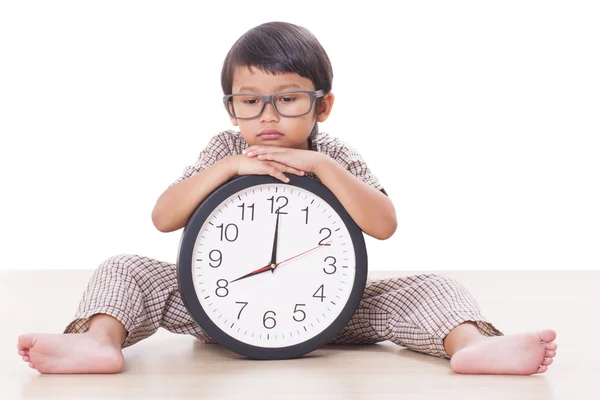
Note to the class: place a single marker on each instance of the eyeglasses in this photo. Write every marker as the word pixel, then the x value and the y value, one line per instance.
pixel 287 104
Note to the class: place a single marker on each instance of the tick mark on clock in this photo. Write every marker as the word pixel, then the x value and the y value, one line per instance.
pixel 305 328
pixel 207 297
pixel 226 206
pixel 329 309
pixel 337 230
pixel 333 304
pixel 313 200
pixel 211 223
pixel 231 325
pixel 329 216
pixel 239 197
pixel 220 315
pixel 198 259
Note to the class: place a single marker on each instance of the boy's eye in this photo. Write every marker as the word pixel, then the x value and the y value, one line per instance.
pixel 287 99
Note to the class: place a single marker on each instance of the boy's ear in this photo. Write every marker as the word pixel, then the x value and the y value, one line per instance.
pixel 326 105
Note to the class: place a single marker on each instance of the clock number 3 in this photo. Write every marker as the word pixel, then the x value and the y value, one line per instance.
pixel 331 265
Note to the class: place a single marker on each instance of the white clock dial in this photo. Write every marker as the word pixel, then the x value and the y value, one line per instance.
pixel 295 301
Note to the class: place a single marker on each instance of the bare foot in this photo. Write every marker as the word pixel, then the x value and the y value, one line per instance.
pixel 519 354
pixel 75 353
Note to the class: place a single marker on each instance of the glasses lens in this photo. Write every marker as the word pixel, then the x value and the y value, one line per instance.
pixel 293 103
pixel 245 106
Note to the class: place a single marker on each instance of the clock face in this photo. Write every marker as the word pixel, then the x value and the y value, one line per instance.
pixel 285 305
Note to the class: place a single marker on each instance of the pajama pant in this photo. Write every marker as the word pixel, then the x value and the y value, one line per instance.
pixel 416 312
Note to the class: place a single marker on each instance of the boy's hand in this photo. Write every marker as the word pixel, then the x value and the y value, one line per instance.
pixel 244 165
pixel 303 160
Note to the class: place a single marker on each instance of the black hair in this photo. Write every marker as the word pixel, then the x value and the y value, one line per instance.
pixel 280 47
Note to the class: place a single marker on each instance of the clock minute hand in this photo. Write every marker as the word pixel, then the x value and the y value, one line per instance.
pixel 274 252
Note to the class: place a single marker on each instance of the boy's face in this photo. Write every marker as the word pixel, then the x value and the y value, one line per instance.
pixel 295 130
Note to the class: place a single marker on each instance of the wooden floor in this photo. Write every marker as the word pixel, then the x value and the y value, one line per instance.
pixel 168 366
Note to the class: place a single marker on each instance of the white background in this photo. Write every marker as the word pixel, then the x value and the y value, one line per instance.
pixel 480 119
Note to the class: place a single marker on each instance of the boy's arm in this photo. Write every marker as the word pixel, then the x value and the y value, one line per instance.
pixel 177 203
pixel 372 210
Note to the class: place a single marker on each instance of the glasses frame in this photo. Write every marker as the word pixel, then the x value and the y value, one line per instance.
pixel 314 94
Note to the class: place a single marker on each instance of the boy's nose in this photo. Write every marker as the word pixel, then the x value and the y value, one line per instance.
pixel 269 113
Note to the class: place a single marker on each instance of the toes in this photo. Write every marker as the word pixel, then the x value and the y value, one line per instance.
pixel 23 352
pixel 26 341
pixel 547 361
pixel 550 353
pixel 551 346
pixel 31 366
pixel 26 358
pixel 547 335
pixel 542 368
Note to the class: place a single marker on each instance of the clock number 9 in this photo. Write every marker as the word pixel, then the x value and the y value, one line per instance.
pixel 265 318
pixel 272 200
pixel 224 287
pixel 332 264
pixel 220 259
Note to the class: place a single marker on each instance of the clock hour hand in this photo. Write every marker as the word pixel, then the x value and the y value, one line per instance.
pixel 258 271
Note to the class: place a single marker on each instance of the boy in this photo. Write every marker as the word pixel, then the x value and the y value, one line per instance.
pixel 129 296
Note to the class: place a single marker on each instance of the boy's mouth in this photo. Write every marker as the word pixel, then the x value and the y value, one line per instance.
pixel 270 134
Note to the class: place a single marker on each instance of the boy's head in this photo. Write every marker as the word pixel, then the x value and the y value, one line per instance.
pixel 272 58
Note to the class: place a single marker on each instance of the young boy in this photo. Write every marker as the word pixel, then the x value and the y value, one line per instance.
pixel 129 296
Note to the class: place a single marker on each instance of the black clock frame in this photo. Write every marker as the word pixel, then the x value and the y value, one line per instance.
pixel 186 256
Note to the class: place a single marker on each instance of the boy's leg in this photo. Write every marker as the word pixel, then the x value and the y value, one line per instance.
pixel 414 311
pixel 127 299
pixel 140 292
pixel 432 314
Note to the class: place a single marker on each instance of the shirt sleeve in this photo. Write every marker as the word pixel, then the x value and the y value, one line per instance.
pixel 216 149
pixel 358 167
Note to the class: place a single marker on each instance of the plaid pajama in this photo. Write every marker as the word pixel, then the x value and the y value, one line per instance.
pixel 414 311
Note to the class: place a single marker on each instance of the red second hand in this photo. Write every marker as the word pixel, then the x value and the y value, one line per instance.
pixel 291 258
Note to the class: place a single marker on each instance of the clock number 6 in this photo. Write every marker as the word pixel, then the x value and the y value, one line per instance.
pixel 265 319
